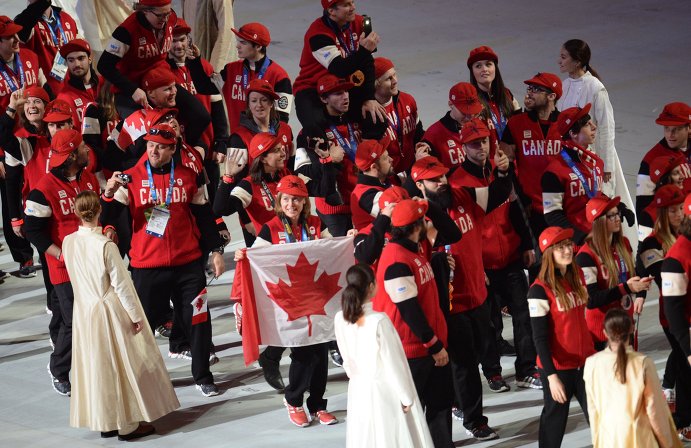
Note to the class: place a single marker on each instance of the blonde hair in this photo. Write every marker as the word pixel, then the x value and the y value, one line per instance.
pixel 663 231
pixel 87 206
pixel 572 277
pixel 599 242
pixel 304 214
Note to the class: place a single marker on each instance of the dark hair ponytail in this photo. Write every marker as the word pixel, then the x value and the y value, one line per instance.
pixel 359 277
pixel 580 51
pixel 618 326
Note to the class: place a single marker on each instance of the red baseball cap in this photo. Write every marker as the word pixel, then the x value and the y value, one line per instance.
pixel 464 96
pixel 392 195
pixel 36 92
pixel 687 205
pixel 598 206
pixel 293 186
pixel 161 133
pixel 567 118
pixel 664 165
pixel 553 235
pixel 482 53
pixel 262 86
pixel 381 66
pixel 549 81
pixel 8 28
pixel 64 143
pixel 329 83
pixel 263 142
pixel 75 45
pixel 368 151
pixel 329 3
pixel 427 167
pixel 154 3
pixel 407 212
pixel 160 76
pixel 153 116
pixel 674 114
pixel 58 110
pixel 181 27
pixel 474 129
pixel 254 32
pixel 668 195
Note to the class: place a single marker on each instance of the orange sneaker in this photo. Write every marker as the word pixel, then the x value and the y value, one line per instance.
pixel 324 417
pixel 297 415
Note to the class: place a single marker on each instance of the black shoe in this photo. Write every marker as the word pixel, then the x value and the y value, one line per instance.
pixel 482 432
pixel 272 373
pixel 3 276
pixel 165 329
pixel 497 384
pixel 208 390
pixel 109 434
pixel 64 388
pixel 457 414
pixel 506 349
pixel 26 270
pixel 336 357
pixel 141 431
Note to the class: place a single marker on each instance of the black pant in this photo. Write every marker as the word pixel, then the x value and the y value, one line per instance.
pixel 273 353
pixel 181 284
pixel 61 358
pixel 669 378
pixel 338 225
pixel 465 347
pixel 678 365
pixel 308 370
pixel 510 287
pixel 20 248
pixel 554 415
pixel 433 386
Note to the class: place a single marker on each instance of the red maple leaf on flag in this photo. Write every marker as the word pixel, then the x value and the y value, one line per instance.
pixel 304 296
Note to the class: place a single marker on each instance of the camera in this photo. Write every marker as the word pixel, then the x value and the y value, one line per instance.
pixel 125 178
pixel 366 24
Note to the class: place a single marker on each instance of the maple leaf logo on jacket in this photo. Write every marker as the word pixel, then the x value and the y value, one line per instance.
pixel 305 295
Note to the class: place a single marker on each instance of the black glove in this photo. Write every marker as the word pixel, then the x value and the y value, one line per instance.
pixel 220 146
pixel 628 214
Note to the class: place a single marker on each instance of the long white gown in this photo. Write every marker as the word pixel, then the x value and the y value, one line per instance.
pixel 380 384
pixel 589 89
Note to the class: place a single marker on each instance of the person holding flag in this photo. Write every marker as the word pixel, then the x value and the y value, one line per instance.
pixel 172 226
pixel 309 364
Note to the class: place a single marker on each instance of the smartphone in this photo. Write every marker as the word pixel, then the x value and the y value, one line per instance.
pixel 366 24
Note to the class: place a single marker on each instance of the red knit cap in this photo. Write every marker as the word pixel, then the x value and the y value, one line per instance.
pixel 464 96
pixel 381 66
pixel 427 167
pixel 668 195
pixel 392 195
pixel 57 111
pixel 482 53
pixel 160 76
pixel 293 186
pixel 407 212
pixel 474 129
pixel 36 92
pixel 674 114
pixel 154 3
pixel 181 27
pixel 75 45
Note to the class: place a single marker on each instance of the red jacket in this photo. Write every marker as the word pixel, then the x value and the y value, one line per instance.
pixel 444 136
pixel 402 123
pixel 29 63
pixel 74 93
pixel 274 231
pixel 184 79
pixel 361 217
pixel 257 203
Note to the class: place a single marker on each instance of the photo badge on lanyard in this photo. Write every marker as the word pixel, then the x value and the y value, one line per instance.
pixel 157 220
pixel 59 69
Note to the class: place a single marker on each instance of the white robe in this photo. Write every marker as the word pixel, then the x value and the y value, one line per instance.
pixel 118 377
pixel 589 89
pixel 380 384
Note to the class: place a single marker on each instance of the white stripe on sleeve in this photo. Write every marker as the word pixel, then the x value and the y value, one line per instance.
pixel 401 288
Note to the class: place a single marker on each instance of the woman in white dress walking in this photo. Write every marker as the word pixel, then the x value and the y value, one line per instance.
pixel 383 406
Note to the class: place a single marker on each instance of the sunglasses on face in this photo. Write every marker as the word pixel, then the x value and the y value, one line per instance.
pixel 161 16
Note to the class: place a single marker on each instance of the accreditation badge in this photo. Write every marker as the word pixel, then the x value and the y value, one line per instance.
pixel 158 221
pixel 59 69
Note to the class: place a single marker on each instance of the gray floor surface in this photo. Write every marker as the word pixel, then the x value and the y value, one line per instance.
pixel 641 51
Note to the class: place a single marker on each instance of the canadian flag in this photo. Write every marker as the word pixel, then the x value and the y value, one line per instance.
pixel 290 293
pixel 200 308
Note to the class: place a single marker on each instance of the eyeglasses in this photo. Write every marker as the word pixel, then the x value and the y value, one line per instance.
pixel 160 16
pixel 563 246
pixel 535 89
pixel 162 132
pixel 613 216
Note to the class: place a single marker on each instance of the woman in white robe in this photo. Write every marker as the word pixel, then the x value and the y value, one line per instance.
pixel 383 406
pixel 583 86
pixel 118 375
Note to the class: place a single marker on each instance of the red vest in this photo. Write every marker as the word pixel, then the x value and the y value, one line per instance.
pixel 184 79
pixel 37 167
pixel 61 195
pixel 310 69
pixel 596 317
pixel 347 176
pixel 446 143
pixel 361 218
pixel 235 94
pixel 43 44
pixel 570 342
pixel 500 241
pixel 79 99
pixel 31 68
pixel 261 207
pixel 533 153
pixel 427 297
pixel 144 49
pixel 574 195
pixel 278 231
pixel 180 242
pixel 402 123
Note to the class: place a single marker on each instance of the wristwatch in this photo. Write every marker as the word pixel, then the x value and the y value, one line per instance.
pixel 221 250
